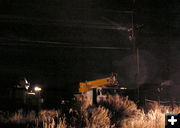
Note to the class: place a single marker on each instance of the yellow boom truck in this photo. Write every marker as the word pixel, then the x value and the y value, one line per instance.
pixel 97 90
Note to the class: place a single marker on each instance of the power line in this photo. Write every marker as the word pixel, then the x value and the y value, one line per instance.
pixel 24 42
pixel 38 41
pixel 66 23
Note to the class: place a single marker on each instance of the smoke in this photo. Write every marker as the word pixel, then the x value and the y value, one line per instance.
pixel 175 71
pixel 175 63
pixel 127 69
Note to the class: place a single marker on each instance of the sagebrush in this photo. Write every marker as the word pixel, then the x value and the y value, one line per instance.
pixel 115 112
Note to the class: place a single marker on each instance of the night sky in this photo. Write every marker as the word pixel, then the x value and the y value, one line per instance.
pixel 59 43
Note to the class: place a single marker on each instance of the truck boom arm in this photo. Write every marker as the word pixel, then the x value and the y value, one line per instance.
pixel 88 85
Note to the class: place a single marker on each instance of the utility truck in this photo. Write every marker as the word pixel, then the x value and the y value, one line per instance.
pixel 99 89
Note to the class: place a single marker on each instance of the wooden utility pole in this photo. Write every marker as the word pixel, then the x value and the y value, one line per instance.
pixel 135 50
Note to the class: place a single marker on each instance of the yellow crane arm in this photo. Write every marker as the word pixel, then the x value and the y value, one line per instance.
pixel 87 86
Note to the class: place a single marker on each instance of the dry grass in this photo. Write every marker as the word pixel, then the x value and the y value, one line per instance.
pixel 114 112
pixel 120 108
pixel 154 118
pixel 17 117
pixel 46 119
pixel 88 116
pixel 52 119
pixel 126 115
pixel 99 118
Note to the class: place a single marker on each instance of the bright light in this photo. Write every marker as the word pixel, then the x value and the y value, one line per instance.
pixel 31 93
pixel 26 82
pixel 123 88
pixel 37 89
pixel 27 87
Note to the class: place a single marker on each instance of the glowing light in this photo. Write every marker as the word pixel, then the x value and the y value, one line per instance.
pixel 31 93
pixel 123 88
pixel 37 89
pixel 26 82
pixel 27 87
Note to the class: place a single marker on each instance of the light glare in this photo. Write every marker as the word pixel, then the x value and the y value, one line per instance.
pixel 37 89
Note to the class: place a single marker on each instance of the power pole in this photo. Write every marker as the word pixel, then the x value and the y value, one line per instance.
pixel 135 50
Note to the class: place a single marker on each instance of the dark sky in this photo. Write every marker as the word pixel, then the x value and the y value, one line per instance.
pixel 58 43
